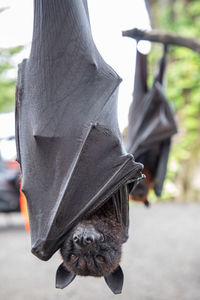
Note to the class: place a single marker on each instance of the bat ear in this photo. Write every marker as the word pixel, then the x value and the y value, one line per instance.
pixel 115 280
pixel 63 277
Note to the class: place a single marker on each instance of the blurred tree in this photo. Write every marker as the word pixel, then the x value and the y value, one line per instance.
pixel 7 84
pixel 183 90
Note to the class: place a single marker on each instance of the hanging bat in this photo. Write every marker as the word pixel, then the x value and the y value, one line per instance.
pixel 69 147
pixel 151 126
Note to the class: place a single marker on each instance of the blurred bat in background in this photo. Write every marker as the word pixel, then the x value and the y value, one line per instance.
pixel 151 126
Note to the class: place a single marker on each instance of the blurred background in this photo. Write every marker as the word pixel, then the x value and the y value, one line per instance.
pixel 161 259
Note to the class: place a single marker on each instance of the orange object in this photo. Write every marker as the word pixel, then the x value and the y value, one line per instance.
pixel 14 165
pixel 24 209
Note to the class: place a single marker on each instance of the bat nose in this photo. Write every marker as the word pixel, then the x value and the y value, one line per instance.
pixel 86 237
pixel 89 239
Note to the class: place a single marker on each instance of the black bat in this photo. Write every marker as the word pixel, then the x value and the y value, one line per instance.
pixel 151 126
pixel 69 146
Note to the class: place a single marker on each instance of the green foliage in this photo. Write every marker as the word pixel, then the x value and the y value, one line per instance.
pixel 183 83
pixel 7 85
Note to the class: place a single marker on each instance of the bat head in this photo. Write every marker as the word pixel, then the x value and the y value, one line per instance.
pixel 90 250
pixel 93 248
pixel 140 192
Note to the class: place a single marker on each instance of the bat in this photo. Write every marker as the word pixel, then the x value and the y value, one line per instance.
pixel 151 126
pixel 68 142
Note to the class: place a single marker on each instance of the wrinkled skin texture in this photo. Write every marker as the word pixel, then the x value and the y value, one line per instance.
pixel 93 247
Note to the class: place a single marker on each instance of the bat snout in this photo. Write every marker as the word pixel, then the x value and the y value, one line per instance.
pixel 85 236
pixel 83 240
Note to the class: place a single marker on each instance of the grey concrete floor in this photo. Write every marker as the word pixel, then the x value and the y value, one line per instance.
pixel 161 260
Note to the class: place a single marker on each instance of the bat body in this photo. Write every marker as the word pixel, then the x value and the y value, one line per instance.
pixel 68 141
pixel 151 126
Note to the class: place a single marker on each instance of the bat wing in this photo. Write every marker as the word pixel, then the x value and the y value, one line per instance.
pixel 140 90
pixel 68 142
pixel 162 166
pixel 157 121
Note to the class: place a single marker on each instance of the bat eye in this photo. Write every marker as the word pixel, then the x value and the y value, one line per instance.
pixel 73 257
pixel 100 258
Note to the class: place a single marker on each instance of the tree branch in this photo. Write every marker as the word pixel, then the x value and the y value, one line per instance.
pixel 164 38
